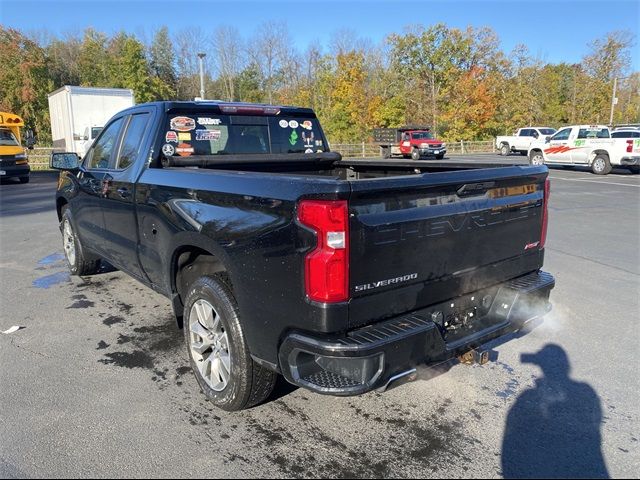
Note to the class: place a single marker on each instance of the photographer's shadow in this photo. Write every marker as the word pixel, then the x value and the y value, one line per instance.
pixel 553 429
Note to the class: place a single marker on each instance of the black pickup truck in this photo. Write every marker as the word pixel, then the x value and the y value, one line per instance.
pixel 282 258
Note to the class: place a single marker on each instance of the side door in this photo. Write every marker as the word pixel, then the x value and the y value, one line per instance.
pixel 118 205
pixel 523 139
pixel 587 140
pixel 87 205
pixel 405 144
pixel 557 150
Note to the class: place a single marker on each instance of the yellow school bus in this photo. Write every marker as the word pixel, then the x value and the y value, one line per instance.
pixel 13 156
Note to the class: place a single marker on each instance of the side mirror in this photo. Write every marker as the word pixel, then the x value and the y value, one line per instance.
pixel 64 161
pixel 547 139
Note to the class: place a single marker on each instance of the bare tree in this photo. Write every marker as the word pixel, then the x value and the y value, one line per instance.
pixel 229 57
pixel 188 43
pixel 266 49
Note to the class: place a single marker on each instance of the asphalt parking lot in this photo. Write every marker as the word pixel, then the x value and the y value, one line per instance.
pixel 97 382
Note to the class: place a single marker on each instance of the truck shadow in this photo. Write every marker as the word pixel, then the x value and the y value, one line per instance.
pixel 553 429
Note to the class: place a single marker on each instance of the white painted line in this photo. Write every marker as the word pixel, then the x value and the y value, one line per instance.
pixel 594 181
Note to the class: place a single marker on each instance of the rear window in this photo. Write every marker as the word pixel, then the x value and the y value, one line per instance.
pixel 212 134
pixel 593 133
pixel 547 131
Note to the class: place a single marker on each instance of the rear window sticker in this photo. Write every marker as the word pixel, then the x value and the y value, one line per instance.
pixel 168 149
pixel 171 136
pixel 209 121
pixel 307 125
pixel 318 143
pixel 184 149
pixel 207 134
pixel 183 124
pixel 293 139
pixel 184 137
pixel 283 123
pixel 308 139
pixel 293 124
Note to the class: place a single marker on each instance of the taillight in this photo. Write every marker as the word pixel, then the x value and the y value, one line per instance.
pixel 629 146
pixel 326 268
pixel 545 212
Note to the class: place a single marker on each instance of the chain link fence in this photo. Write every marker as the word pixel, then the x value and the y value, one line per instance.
pixel 39 156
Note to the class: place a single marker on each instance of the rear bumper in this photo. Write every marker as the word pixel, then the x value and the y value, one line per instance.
pixel 15 171
pixel 368 358
pixel 630 161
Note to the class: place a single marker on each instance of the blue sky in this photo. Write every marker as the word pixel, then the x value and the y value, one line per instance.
pixel 554 31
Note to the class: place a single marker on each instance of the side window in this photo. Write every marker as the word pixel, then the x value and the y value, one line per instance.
pixel 604 133
pixel 100 154
pixel 562 134
pixel 524 133
pixel 132 140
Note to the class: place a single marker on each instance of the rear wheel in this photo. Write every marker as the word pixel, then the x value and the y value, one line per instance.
pixel 536 158
pixel 601 165
pixel 504 149
pixel 415 154
pixel 386 152
pixel 217 349
pixel 79 263
pixel 24 179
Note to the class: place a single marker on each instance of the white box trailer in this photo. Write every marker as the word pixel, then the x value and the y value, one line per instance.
pixel 77 113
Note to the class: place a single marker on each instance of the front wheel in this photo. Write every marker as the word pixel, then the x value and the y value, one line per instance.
pixel 601 165
pixel 79 263
pixel 536 158
pixel 24 179
pixel 217 349
pixel 415 154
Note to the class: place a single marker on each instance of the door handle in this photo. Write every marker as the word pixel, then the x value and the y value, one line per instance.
pixel 124 192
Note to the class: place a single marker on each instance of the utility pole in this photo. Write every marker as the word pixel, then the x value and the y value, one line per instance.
pixel 201 56
pixel 614 100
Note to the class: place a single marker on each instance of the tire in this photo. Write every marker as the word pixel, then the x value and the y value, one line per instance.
pixel 78 261
pixel 634 170
pixel 600 165
pixel 536 158
pixel 440 157
pixel 505 150
pixel 415 154
pixel 24 179
pixel 210 308
pixel 386 152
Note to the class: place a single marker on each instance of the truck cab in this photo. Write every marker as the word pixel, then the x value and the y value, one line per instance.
pixel 13 156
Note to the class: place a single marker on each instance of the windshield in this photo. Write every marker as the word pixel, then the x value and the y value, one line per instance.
pixel 547 131
pixel 7 138
pixel 213 134
pixel 422 136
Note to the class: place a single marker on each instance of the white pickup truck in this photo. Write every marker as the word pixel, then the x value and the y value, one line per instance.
pixel 522 139
pixel 587 145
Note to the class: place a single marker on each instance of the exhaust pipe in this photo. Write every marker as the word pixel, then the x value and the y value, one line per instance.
pixel 474 356
pixel 408 376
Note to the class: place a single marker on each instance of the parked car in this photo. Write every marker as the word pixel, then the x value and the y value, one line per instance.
pixel 413 142
pixel 281 258
pixel 520 141
pixel 589 145
pixel 626 132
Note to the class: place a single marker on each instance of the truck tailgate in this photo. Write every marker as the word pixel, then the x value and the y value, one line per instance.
pixel 426 238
